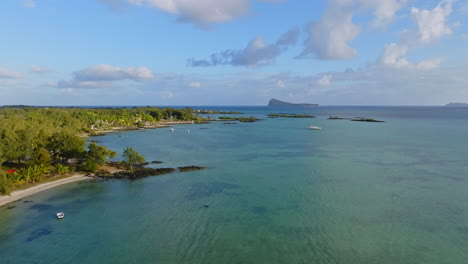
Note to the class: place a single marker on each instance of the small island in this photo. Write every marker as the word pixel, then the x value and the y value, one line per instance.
pixel 240 119
pixel 275 102
pixel 290 116
pixel 456 105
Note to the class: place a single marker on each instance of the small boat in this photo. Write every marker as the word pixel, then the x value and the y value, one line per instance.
pixel 188 131
pixel 60 215
pixel 314 128
pixel 172 130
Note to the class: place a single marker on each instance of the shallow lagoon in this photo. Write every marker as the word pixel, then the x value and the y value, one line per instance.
pixel 393 192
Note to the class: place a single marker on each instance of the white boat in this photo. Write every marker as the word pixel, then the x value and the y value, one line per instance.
pixel 188 131
pixel 314 128
pixel 172 130
pixel 60 215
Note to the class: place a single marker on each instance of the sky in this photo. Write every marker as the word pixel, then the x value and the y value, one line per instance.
pixel 233 52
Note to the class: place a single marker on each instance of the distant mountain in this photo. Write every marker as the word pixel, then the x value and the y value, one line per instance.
pixel 457 105
pixel 274 102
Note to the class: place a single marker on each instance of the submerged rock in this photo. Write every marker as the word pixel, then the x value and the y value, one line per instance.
pixel 363 119
pixel 191 168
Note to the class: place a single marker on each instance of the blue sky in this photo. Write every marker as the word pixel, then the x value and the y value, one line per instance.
pixel 233 52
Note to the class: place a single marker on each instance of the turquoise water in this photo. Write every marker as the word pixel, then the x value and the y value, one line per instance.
pixel 394 192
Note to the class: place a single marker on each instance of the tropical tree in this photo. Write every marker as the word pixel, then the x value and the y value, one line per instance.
pixel 5 184
pixel 41 157
pixel 95 156
pixel 132 158
pixel 66 146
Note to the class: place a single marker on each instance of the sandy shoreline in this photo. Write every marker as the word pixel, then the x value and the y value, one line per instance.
pixel 16 195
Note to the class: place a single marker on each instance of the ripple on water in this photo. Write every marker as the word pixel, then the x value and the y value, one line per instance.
pixel 206 189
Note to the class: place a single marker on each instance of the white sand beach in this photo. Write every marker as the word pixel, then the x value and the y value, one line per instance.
pixel 16 195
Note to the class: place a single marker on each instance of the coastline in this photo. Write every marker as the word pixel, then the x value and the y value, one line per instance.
pixel 164 124
pixel 16 195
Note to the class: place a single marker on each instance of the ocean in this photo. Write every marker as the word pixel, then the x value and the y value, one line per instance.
pixel 277 192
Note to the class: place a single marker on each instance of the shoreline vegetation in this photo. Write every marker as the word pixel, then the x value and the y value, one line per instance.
pixel 216 112
pixel 39 144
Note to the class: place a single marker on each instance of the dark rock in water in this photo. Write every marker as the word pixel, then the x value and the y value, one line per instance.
pixel 290 116
pixel 206 206
pixel 191 168
pixel 363 119
pixel 11 207
pixel 274 102
pixel 230 123
pixel 156 162
pixel 203 128
pixel 44 231
pixel 28 201
pixel 141 173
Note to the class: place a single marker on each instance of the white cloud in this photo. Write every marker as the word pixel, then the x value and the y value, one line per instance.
pixel 106 72
pixel 432 23
pixel 38 70
pixel 195 84
pixel 325 80
pixel 200 12
pixel 104 76
pixel 29 3
pixel 384 10
pixel 280 84
pixel 394 54
pixel 256 53
pixel 330 38
pixel 7 74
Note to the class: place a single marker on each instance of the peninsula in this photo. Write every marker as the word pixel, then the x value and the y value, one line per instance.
pixel 275 102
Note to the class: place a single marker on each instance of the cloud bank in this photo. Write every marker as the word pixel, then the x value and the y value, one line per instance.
pixel 104 76
pixel 7 74
pixel 331 37
pixel 201 12
pixel 256 53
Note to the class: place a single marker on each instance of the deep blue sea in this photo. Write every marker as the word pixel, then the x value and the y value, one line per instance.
pixel 351 193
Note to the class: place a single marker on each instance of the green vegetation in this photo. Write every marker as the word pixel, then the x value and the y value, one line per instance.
pixel 132 158
pixel 40 142
pixel 215 112
pixel 290 116
pixel 363 119
pixel 96 156
pixel 240 119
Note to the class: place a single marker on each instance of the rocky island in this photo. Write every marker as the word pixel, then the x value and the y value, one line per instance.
pixel 275 102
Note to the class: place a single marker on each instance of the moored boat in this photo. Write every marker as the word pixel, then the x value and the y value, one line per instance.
pixel 60 215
